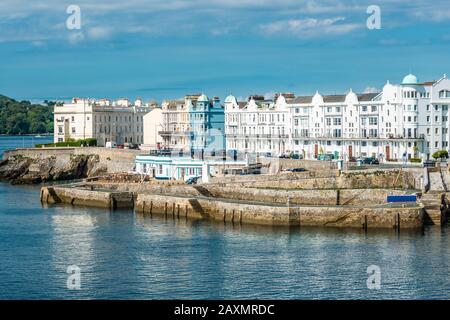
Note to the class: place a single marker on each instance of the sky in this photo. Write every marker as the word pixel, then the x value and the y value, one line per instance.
pixel 164 49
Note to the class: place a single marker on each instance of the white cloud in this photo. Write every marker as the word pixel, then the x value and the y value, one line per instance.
pixel 99 33
pixel 104 19
pixel 310 27
pixel 75 37
pixel 371 90
pixel 38 43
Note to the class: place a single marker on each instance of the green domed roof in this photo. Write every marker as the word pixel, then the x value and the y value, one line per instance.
pixel 410 79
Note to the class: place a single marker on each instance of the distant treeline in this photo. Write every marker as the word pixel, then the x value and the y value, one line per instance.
pixel 25 118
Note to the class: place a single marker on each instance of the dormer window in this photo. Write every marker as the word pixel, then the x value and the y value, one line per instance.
pixel 443 94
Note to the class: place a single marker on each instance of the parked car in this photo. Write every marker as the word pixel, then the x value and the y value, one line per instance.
pixel 130 146
pixel 294 170
pixel 298 170
pixel 296 156
pixel 429 164
pixel 192 180
pixel 370 160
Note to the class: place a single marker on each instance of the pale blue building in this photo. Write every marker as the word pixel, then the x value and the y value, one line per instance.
pixel 207 124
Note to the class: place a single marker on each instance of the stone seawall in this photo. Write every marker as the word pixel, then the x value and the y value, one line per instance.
pixel 248 179
pixel 85 197
pixel 113 160
pixel 235 211
pixel 276 165
pixel 281 215
pixel 354 180
pixel 307 197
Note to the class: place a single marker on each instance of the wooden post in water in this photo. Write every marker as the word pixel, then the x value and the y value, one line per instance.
pixel 232 217
pixel 173 210
pixel 178 212
pixel 143 207
pixel 165 210
pixel 186 211
pixel 398 222
pixel 224 214
pixel 151 208
pixel 365 223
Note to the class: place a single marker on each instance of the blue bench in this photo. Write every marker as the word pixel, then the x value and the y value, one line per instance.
pixel 402 198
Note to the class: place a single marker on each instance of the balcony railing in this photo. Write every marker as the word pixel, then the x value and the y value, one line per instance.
pixel 258 136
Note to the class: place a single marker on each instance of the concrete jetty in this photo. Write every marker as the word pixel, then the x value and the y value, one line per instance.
pixel 275 202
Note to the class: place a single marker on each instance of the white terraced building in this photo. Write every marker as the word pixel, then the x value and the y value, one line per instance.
pixel 409 119
pixel 117 121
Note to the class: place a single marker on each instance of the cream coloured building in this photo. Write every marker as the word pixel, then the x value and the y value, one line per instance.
pixel 176 129
pixel 107 121
pixel 153 124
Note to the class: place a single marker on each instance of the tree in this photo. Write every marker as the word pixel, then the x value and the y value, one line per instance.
pixel 24 117
pixel 441 154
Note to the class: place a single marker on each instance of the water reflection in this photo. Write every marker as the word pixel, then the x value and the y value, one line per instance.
pixel 126 255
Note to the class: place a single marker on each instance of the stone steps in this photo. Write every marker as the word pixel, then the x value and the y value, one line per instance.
pixel 436 182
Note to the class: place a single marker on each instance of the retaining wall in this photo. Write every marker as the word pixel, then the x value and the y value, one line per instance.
pixel 115 160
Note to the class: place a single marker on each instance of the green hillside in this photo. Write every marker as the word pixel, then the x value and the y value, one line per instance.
pixel 24 118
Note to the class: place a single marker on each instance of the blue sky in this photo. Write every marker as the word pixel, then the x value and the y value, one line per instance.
pixel 167 48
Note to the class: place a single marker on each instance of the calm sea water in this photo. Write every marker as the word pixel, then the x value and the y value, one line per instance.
pixel 123 255
pixel 12 142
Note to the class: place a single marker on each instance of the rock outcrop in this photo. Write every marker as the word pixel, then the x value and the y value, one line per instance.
pixel 24 170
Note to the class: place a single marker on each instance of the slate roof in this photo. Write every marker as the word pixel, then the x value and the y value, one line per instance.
pixel 334 98
pixel 367 96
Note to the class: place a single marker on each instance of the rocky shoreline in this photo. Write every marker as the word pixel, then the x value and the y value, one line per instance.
pixel 19 169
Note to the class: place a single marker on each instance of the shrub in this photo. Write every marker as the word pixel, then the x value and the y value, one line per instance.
pixel 441 154
pixel 415 160
pixel 71 143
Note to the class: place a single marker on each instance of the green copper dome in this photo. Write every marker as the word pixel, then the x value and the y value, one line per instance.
pixel 410 79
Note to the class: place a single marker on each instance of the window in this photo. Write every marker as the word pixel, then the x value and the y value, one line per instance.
pixel 443 94
pixel 73 129
pixel 374 108
pixel 373 121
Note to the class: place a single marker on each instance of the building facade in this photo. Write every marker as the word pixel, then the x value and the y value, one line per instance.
pixel 118 121
pixel 153 123
pixel 408 120
pixel 194 124
pixel 256 126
